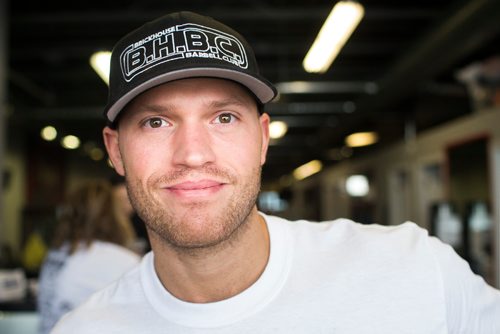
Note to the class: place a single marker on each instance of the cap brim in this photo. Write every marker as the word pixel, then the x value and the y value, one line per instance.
pixel 262 89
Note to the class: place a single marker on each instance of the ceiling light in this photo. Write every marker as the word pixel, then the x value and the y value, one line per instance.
pixel 338 27
pixel 100 62
pixel 308 169
pixel 357 185
pixel 48 133
pixel 70 142
pixel 294 87
pixel 361 139
pixel 277 129
pixel 326 87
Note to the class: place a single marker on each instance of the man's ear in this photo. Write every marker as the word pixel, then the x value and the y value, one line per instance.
pixel 264 124
pixel 110 137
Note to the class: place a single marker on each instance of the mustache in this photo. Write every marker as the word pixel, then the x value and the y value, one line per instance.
pixel 184 173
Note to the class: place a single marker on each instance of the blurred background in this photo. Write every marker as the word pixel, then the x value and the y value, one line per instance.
pixel 404 124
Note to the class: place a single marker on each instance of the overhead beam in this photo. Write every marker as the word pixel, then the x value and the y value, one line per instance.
pixel 465 30
pixel 82 48
pixel 57 114
pixel 309 108
pixel 32 88
pixel 297 13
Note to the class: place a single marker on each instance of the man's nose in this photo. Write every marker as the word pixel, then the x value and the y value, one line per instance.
pixel 193 145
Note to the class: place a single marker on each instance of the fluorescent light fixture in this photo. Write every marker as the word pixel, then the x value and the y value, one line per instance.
pixel 308 169
pixel 295 87
pixel 100 62
pixel 48 133
pixel 277 129
pixel 361 139
pixel 338 27
pixel 70 142
pixel 320 87
pixel 357 185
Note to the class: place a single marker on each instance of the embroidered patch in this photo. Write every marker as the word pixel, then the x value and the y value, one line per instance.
pixel 181 42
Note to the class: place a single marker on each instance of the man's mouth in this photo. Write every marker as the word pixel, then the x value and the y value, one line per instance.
pixel 198 188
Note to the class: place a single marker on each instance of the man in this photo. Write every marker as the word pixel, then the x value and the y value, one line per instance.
pixel 188 132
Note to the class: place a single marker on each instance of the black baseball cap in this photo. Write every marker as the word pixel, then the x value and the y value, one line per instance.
pixel 178 46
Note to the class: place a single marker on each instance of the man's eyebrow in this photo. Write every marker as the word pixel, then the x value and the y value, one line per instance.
pixel 153 108
pixel 227 102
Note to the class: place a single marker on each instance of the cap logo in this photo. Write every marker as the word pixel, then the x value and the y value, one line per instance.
pixel 181 42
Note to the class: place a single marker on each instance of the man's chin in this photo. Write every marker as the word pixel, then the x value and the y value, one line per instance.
pixel 198 240
pixel 198 229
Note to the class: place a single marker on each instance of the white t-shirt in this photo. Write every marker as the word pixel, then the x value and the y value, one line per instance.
pixel 67 280
pixel 333 277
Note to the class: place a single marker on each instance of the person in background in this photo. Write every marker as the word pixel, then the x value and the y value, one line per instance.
pixel 90 249
pixel 187 129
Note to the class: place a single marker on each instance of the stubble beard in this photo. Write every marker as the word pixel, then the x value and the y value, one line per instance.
pixel 198 228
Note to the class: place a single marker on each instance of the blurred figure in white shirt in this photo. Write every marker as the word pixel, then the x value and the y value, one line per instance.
pixel 90 249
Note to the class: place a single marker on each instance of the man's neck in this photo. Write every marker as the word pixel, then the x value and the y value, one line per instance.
pixel 218 273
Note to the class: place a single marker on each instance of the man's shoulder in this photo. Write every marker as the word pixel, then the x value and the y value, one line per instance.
pixel 341 232
pixel 349 228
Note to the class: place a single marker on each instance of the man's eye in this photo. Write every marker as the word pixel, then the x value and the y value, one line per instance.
pixel 224 118
pixel 155 122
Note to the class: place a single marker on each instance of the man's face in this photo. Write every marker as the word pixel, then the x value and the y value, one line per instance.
pixel 121 197
pixel 192 152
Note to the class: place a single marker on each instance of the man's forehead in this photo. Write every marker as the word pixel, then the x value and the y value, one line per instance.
pixel 216 93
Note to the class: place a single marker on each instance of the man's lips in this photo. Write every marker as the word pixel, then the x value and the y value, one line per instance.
pixel 196 188
pixel 195 185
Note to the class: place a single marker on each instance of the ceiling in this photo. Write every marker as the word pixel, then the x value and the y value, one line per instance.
pixel 396 75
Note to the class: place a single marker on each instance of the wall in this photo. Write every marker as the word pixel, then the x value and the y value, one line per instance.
pixel 13 197
pixel 77 169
